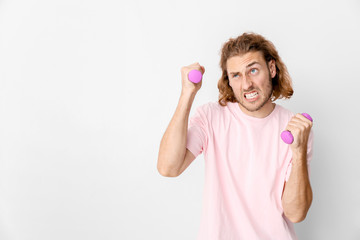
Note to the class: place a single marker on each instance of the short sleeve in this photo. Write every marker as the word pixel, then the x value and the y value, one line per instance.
pixel 196 133
pixel 308 157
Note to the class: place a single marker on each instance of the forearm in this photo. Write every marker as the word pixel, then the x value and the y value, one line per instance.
pixel 297 195
pixel 173 144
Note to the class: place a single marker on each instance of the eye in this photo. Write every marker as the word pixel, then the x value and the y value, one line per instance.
pixel 235 75
pixel 253 70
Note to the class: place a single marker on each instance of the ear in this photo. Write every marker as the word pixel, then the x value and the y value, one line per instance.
pixel 272 68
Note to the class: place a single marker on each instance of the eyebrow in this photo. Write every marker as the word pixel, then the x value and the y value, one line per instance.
pixel 249 65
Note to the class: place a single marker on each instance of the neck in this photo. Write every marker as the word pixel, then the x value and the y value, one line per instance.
pixel 262 112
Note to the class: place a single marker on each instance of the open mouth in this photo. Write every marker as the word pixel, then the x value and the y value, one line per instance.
pixel 251 95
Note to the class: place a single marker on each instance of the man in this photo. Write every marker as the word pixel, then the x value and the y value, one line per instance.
pixel 256 186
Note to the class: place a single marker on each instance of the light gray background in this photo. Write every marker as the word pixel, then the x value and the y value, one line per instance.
pixel 87 89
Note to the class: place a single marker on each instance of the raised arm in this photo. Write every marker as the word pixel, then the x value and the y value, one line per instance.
pixel 297 194
pixel 173 157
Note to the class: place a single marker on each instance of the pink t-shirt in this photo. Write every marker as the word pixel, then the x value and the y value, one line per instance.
pixel 246 164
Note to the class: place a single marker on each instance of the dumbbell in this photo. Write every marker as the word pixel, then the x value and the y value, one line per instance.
pixel 286 135
pixel 195 76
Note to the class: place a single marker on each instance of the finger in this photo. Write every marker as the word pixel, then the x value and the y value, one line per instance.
pixel 303 118
pixel 300 122
pixel 293 127
pixel 196 64
pixel 300 119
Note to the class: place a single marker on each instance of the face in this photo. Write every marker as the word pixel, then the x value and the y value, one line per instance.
pixel 250 79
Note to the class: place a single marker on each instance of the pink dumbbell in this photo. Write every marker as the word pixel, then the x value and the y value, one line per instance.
pixel 287 137
pixel 195 76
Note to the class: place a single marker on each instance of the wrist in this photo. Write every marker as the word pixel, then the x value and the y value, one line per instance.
pixel 188 94
pixel 299 152
pixel 299 156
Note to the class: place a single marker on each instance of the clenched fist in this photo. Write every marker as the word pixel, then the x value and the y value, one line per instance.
pixel 187 86
pixel 300 127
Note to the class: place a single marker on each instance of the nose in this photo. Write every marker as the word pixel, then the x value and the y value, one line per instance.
pixel 247 83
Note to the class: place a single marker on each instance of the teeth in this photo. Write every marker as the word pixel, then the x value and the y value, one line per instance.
pixel 251 95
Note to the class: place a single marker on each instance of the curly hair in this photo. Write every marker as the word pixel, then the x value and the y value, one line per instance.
pixel 251 42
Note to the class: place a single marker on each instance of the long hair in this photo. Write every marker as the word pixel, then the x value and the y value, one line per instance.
pixel 251 42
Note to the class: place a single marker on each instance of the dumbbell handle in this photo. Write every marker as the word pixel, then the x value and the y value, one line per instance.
pixel 195 76
pixel 286 135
